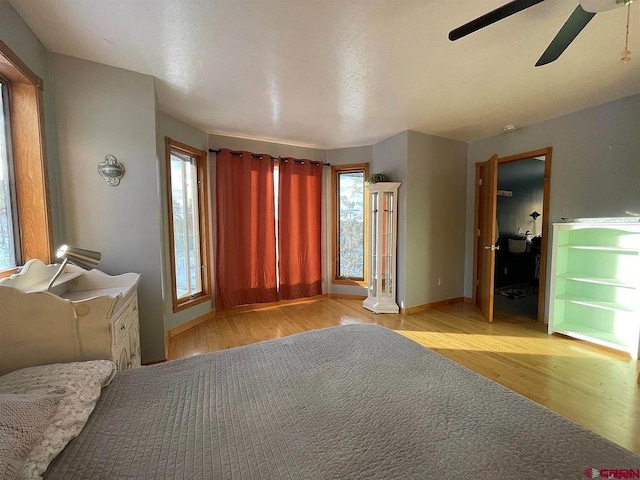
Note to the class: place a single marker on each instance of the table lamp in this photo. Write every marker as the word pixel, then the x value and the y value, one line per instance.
pixel 87 259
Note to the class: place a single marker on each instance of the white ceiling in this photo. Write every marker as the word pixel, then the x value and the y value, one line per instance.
pixel 336 73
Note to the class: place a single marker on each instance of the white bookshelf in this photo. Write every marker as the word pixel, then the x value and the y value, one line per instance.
pixel 595 284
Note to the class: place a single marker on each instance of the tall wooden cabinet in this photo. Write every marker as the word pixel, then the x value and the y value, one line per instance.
pixel 595 283
pixel 383 221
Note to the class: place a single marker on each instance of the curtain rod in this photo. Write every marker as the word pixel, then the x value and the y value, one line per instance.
pixel 254 155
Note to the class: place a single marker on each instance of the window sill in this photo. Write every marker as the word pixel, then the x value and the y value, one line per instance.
pixel 345 281
pixel 184 304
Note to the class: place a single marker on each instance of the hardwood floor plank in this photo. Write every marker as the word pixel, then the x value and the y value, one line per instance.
pixel 593 386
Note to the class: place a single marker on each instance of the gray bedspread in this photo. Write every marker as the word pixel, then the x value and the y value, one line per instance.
pixel 350 402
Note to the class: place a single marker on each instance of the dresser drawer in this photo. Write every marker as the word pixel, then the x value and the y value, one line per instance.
pixel 122 353
pixel 124 321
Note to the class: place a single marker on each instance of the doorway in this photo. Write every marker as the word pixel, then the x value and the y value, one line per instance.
pixel 519 214
pixel 512 204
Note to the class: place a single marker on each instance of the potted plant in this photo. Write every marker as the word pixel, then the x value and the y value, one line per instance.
pixel 378 177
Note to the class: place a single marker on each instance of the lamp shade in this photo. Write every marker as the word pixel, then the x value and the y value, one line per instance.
pixel 86 259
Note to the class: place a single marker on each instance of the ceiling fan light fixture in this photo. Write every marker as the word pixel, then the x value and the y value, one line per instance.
pixel 595 6
pixel 626 56
pixel 626 53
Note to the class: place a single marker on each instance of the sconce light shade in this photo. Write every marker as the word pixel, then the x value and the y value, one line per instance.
pixel 87 259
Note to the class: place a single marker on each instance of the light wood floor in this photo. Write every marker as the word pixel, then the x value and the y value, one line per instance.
pixel 592 386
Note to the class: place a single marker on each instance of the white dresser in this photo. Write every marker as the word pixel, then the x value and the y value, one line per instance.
pixel 87 315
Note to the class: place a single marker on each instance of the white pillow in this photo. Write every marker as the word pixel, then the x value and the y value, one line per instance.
pixel 78 386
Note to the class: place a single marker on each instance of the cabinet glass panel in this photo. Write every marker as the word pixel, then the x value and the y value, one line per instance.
pixel 387 245
pixel 373 284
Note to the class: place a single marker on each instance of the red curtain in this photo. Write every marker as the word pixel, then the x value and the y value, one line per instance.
pixel 299 228
pixel 246 235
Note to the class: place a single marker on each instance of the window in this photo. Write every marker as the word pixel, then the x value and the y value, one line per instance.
pixel 268 228
pixel 187 187
pixel 9 251
pixel 25 223
pixel 349 223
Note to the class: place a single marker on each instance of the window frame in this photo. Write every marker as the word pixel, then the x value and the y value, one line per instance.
pixel 336 170
pixel 28 154
pixel 203 221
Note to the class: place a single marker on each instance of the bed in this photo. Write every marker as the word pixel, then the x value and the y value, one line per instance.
pixel 356 401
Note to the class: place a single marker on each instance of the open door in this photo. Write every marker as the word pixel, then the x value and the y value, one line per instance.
pixel 486 234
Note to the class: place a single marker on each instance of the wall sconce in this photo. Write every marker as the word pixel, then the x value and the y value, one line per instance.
pixel 534 215
pixel 111 170
pixel 87 259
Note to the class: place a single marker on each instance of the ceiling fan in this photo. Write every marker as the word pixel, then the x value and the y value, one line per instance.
pixel 583 13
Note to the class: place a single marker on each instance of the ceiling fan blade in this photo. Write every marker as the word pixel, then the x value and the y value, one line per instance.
pixel 493 16
pixel 570 30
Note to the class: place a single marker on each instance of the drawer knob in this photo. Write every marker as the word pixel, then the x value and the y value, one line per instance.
pixel 122 327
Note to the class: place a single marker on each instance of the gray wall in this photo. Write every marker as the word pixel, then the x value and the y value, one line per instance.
pixel 341 156
pixel 431 209
pixel 19 38
pixel 102 110
pixel 390 155
pixel 595 170
pixel 435 227
pixel 168 126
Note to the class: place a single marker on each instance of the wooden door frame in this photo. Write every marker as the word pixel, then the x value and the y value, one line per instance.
pixel 542 280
